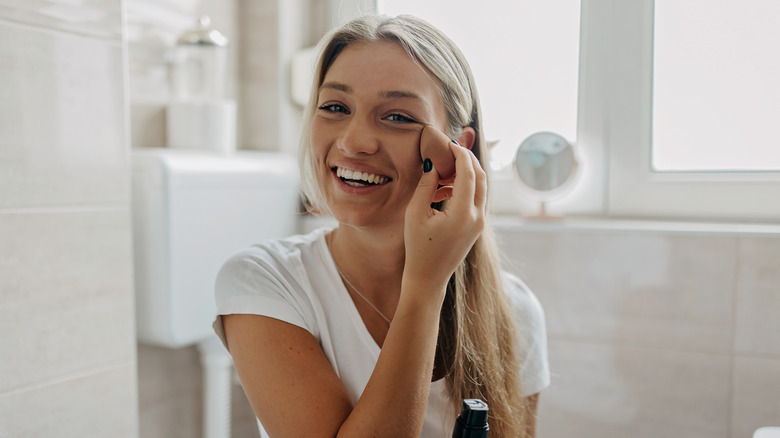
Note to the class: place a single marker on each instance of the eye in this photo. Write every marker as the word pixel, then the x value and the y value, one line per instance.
pixel 334 108
pixel 400 118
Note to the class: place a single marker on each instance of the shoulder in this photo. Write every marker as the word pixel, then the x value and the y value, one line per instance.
pixel 525 306
pixel 275 258
pixel 273 279
pixel 532 335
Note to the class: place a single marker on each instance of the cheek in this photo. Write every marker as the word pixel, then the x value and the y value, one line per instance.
pixel 413 165
pixel 318 140
pixel 405 153
pixel 318 149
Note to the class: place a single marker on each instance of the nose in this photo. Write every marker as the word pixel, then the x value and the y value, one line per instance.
pixel 359 137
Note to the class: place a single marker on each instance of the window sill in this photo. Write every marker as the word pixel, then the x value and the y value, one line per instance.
pixel 506 222
pixel 503 222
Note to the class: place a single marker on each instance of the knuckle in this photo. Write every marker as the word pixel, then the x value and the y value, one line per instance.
pixel 480 221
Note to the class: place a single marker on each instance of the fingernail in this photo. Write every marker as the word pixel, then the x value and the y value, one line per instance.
pixel 453 140
pixel 427 165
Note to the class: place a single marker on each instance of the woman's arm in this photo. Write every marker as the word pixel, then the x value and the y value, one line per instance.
pixel 292 387
pixel 295 392
pixel 289 381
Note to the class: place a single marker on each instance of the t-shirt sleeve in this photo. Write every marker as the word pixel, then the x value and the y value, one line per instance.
pixel 532 348
pixel 257 283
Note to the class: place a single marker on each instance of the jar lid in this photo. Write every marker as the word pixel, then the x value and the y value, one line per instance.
pixel 203 35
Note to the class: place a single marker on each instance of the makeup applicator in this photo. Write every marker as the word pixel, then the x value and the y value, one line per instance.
pixel 435 145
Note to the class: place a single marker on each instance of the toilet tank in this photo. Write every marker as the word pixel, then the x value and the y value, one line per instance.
pixel 191 211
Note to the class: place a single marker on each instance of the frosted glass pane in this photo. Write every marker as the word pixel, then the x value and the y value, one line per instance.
pixel 524 55
pixel 716 85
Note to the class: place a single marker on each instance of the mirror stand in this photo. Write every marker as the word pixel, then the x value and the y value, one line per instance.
pixel 543 215
pixel 544 167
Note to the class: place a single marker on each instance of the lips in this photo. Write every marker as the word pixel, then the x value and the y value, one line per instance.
pixel 360 179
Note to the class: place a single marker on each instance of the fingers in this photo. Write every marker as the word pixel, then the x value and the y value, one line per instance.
pixel 480 188
pixel 444 192
pixel 470 185
pixel 457 168
pixel 435 145
pixel 420 203
pixel 439 240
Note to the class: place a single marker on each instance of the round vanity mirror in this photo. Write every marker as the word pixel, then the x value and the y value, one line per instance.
pixel 545 166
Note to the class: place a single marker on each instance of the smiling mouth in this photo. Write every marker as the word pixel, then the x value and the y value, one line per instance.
pixel 360 179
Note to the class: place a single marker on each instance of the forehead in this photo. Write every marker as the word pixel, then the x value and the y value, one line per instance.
pixel 387 59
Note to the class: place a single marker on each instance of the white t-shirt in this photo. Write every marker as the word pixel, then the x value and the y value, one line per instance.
pixel 295 280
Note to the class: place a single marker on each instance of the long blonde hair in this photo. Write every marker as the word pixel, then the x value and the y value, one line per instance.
pixel 477 334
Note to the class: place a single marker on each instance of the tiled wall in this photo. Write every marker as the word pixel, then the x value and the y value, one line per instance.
pixel 655 333
pixel 153 27
pixel 68 361
pixel 171 396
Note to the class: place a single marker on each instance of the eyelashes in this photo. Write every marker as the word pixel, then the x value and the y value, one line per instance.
pixel 339 109
pixel 400 118
pixel 334 108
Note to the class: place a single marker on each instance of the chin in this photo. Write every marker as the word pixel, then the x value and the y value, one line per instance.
pixel 364 220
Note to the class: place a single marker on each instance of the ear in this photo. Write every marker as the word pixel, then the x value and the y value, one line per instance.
pixel 467 137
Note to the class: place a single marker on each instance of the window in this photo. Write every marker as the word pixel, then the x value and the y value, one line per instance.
pixel 634 186
pixel 716 93
pixel 645 125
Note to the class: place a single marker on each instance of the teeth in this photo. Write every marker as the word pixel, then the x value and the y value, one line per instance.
pixel 360 176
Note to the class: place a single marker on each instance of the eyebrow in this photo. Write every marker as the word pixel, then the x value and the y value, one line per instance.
pixel 337 86
pixel 396 94
pixel 392 94
pixel 400 94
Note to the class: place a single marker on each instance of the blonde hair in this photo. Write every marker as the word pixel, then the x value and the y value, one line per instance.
pixel 477 334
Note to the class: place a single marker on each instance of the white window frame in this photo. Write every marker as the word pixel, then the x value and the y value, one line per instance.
pixel 624 73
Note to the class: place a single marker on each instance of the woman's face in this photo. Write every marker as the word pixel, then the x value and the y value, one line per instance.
pixel 371 108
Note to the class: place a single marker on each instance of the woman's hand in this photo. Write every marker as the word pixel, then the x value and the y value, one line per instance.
pixel 435 145
pixel 437 241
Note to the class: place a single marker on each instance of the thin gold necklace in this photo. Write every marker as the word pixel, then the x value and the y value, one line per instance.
pixel 357 291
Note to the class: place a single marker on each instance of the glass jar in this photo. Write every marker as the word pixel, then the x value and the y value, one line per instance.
pixel 200 64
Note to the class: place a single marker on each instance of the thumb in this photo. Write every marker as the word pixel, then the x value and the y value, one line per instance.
pixel 426 190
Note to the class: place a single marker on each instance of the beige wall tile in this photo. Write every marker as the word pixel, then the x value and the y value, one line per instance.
pixel 756 395
pixel 66 297
pixel 62 120
pixel 149 124
pixel 67 294
pixel 654 289
pixel 167 373
pixel 243 417
pixel 259 68
pixel 96 18
pixel 97 405
pixel 608 391
pixel 171 395
pixel 758 297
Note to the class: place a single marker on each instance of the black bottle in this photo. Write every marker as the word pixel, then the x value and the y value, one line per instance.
pixel 473 420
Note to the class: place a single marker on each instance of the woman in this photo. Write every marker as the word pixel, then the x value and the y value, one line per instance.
pixel 381 326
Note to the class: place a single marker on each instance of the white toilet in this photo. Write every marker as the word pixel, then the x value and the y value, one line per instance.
pixel 191 211
pixel 767 432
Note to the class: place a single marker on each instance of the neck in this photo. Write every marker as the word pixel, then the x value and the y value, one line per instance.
pixel 372 259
